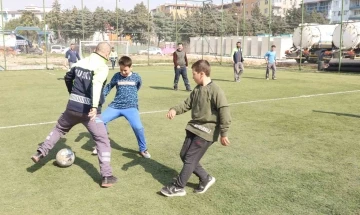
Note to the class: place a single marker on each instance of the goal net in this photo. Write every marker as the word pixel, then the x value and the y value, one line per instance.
pixel 88 47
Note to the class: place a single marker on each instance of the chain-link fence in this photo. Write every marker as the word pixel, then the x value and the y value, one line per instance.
pixel 38 37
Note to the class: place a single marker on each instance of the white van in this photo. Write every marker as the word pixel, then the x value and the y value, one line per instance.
pixel 58 49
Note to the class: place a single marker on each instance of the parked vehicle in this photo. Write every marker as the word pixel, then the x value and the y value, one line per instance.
pixel 313 39
pixel 58 49
pixel 152 51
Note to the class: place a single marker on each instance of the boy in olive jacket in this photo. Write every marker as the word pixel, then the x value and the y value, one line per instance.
pixel 210 118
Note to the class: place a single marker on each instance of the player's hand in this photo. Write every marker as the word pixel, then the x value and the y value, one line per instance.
pixel 178 67
pixel 171 114
pixel 224 141
pixel 92 114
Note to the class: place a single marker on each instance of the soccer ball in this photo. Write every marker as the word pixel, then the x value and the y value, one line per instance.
pixel 65 157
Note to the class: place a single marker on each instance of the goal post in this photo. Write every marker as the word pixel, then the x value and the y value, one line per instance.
pixel 88 47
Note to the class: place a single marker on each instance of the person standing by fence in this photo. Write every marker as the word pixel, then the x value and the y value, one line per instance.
pixel 238 62
pixel 180 65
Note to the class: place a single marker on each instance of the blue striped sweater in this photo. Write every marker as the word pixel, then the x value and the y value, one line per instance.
pixel 126 90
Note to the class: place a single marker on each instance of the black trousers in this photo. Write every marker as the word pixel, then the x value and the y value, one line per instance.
pixel 181 71
pixel 191 153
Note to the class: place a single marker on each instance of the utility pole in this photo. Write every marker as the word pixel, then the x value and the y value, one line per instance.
pixel 302 27
pixel 45 33
pixel 3 36
pixel 82 19
pixel 341 33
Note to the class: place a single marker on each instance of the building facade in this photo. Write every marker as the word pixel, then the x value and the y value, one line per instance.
pixel 8 15
pixel 278 7
pixel 331 9
pixel 181 10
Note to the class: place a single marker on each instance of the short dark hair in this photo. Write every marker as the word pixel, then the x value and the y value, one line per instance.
pixel 180 44
pixel 125 61
pixel 202 66
pixel 238 42
pixel 273 46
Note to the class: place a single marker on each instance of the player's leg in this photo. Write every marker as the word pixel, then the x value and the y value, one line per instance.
pixel 185 78
pixel 99 134
pixel 267 71
pixel 133 117
pixel 273 71
pixel 66 121
pixel 193 150
pixel 192 154
pixel 241 69
pixel 176 78
pixel 236 71
pixel 109 115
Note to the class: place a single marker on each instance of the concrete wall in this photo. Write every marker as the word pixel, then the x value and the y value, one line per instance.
pixel 253 46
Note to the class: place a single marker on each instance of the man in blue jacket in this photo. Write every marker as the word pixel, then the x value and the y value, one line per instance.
pixel 72 55
pixel 238 60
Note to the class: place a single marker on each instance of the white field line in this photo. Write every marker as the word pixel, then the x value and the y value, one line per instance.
pixel 231 104
pixel 50 73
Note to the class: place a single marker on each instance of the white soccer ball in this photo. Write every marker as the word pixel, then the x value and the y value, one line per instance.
pixel 65 157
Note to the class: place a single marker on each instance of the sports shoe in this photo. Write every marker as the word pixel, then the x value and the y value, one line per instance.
pixel 205 185
pixel 172 190
pixel 94 152
pixel 274 78
pixel 175 87
pixel 145 154
pixel 267 78
pixel 37 156
pixel 108 181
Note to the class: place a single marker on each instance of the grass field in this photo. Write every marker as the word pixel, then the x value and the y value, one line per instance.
pixel 290 153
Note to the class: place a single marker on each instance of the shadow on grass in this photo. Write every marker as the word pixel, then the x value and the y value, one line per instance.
pixel 163 174
pixel 216 79
pixel 254 78
pixel 161 88
pixel 337 114
pixel 83 164
pixel 60 79
pixel 160 172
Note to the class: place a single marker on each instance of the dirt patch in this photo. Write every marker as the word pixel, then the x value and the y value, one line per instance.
pixel 56 61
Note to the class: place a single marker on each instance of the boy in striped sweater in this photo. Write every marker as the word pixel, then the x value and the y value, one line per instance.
pixel 125 102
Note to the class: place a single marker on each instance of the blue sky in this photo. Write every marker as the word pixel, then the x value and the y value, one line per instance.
pixel 92 4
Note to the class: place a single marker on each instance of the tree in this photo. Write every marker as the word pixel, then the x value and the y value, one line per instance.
pixel 259 22
pixel 137 23
pixel 164 27
pixel 101 17
pixel 279 26
pixel 29 19
pixel 293 18
pixel 55 19
pixel 12 24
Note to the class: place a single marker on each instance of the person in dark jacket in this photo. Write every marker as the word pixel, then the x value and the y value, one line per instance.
pixel 85 82
pixel 238 60
pixel 180 65
pixel 72 55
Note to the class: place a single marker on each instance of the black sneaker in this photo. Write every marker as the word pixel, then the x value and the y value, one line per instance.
pixel 108 181
pixel 37 156
pixel 188 89
pixel 205 185
pixel 172 190
pixel 175 88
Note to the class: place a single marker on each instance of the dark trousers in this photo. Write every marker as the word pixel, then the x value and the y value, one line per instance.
pixel 113 63
pixel 181 71
pixel 97 130
pixel 192 151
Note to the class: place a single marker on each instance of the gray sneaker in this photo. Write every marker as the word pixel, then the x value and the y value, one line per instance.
pixel 172 190
pixel 205 185
pixel 145 154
